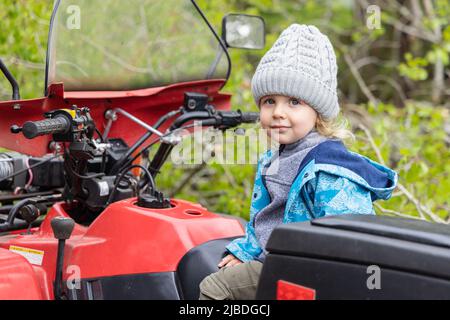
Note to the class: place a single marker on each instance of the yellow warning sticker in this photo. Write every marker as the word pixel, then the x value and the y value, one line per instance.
pixel 32 255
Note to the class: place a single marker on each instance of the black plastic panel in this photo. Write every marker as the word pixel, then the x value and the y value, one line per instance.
pixel 397 228
pixel 336 239
pixel 152 286
pixel 198 263
pixel 340 280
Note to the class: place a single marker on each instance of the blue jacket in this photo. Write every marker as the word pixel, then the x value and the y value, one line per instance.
pixel 331 180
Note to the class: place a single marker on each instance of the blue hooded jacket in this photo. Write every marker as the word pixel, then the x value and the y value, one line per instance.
pixel 331 180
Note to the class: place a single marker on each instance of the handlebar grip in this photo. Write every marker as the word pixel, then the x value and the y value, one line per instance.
pixel 249 117
pixel 33 129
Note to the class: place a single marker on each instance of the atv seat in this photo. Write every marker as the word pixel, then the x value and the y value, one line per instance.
pixel 198 263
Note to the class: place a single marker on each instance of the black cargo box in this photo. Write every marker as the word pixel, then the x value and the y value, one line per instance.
pixel 339 257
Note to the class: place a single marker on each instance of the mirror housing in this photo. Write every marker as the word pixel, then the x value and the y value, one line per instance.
pixel 244 31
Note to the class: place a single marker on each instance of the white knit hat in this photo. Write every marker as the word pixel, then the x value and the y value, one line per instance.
pixel 301 64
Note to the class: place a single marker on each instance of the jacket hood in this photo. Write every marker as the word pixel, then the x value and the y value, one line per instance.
pixel 333 157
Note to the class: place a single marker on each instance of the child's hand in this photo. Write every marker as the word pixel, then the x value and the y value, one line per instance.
pixel 229 261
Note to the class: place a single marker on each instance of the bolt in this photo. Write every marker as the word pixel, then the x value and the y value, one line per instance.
pixel 192 104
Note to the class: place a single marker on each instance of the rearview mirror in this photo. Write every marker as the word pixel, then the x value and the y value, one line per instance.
pixel 244 31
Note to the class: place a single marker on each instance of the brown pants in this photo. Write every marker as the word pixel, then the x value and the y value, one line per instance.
pixel 232 283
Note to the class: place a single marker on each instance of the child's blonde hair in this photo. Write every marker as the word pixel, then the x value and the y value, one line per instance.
pixel 336 128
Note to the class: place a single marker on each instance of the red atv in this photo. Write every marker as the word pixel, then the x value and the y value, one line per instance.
pixel 113 91
pixel 109 230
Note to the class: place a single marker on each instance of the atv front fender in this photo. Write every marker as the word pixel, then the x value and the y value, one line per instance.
pixel 17 278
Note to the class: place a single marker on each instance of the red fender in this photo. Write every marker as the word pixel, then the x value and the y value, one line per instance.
pixel 17 278
pixel 125 239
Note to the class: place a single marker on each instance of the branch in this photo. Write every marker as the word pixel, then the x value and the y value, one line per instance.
pixel 405 12
pixel 412 31
pixel 187 179
pixel 117 59
pixel 396 213
pixel 366 61
pixel 438 78
pixel 25 63
pixel 39 20
pixel 421 209
pixel 386 44
pixel 229 176
pixel 359 79
pixel 396 194
pixel 373 144
pixel 393 84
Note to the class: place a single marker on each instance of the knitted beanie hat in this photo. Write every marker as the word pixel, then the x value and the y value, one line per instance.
pixel 301 64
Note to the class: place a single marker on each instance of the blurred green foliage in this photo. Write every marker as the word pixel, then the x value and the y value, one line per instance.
pixel 23 44
pixel 401 97
pixel 140 49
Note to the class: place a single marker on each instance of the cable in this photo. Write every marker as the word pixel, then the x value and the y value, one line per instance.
pixel 31 167
pixel 143 150
pixel 147 173
pixel 103 164
pixel 30 172
pixel 123 160
pixel 156 141
pixel 69 164
pixel 92 176
pixel 99 135
pixel 122 175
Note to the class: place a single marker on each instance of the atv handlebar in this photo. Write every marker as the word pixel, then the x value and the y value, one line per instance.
pixel 57 122
pixel 33 129
pixel 77 127
pixel 63 124
pixel 230 119
pixel 249 117
pixel 219 119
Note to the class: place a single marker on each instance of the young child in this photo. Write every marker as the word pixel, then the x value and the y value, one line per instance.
pixel 312 175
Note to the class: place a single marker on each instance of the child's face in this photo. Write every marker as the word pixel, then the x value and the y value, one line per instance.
pixel 286 119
